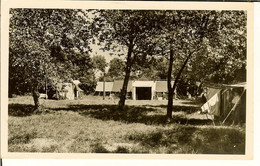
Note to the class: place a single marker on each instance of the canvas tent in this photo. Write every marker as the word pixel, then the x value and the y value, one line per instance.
pixel 161 90
pixel 100 87
pixel 68 91
pixel 118 84
pixel 226 103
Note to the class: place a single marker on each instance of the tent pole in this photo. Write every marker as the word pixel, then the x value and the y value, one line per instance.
pixel 104 93
pixel 212 118
pixel 46 96
pixel 233 108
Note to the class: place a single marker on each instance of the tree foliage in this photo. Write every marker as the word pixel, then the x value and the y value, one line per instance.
pixel 46 45
pixel 116 68
pixel 99 65
pixel 224 58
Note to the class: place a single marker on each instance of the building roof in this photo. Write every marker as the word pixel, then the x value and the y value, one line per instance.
pixel 161 86
pixel 108 86
pixel 143 83
pixel 118 84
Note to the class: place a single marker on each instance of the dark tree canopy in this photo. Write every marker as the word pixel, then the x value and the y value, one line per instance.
pixel 46 45
pixel 99 63
pixel 116 68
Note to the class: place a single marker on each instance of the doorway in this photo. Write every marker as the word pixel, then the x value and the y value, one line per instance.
pixel 143 93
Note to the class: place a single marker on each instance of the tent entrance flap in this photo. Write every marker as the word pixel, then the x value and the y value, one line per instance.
pixel 143 93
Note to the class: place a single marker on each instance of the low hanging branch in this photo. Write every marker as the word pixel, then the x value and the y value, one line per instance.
pixel 180 71
pixel 171 89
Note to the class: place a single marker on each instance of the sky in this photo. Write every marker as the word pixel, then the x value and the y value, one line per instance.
pixel 96 50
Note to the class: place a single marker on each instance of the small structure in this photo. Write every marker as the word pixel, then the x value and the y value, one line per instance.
pixel 143 90
pixel 43 96
pixel 118 84
pixel 68 91
pixel 225 102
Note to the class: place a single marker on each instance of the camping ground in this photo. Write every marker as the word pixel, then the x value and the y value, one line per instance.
pixel 93 125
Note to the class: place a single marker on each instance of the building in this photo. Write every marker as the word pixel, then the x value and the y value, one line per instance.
pixel 136 90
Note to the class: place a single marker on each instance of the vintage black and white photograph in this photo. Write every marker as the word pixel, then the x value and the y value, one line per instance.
pixel 127 81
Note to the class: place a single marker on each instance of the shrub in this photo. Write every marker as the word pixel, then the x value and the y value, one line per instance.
pixel 98 148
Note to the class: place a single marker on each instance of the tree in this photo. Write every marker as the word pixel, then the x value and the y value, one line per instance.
pixel 99 63
pixel 39 40
pixel 151 68
pixel 160 66
pixel 99 66
pixel 21 61
pixel 224 60
pixel 175 39
pixel 116 69
pixel 80 66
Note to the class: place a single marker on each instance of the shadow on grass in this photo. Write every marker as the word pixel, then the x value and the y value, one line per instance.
pixel 20 110
pixel 132 114
pixel 148 114
pixel 189 139
pixel 178 108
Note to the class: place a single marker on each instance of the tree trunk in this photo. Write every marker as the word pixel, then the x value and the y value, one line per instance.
pixel 170 90
pixel 170 104
pixel 36 96
pixel 104 87
pixel 129 63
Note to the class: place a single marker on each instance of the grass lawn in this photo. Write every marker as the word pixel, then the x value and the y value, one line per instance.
pixel 93 125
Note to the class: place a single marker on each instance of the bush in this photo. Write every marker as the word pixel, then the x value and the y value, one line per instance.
pixel 98 148
pixel 121 149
